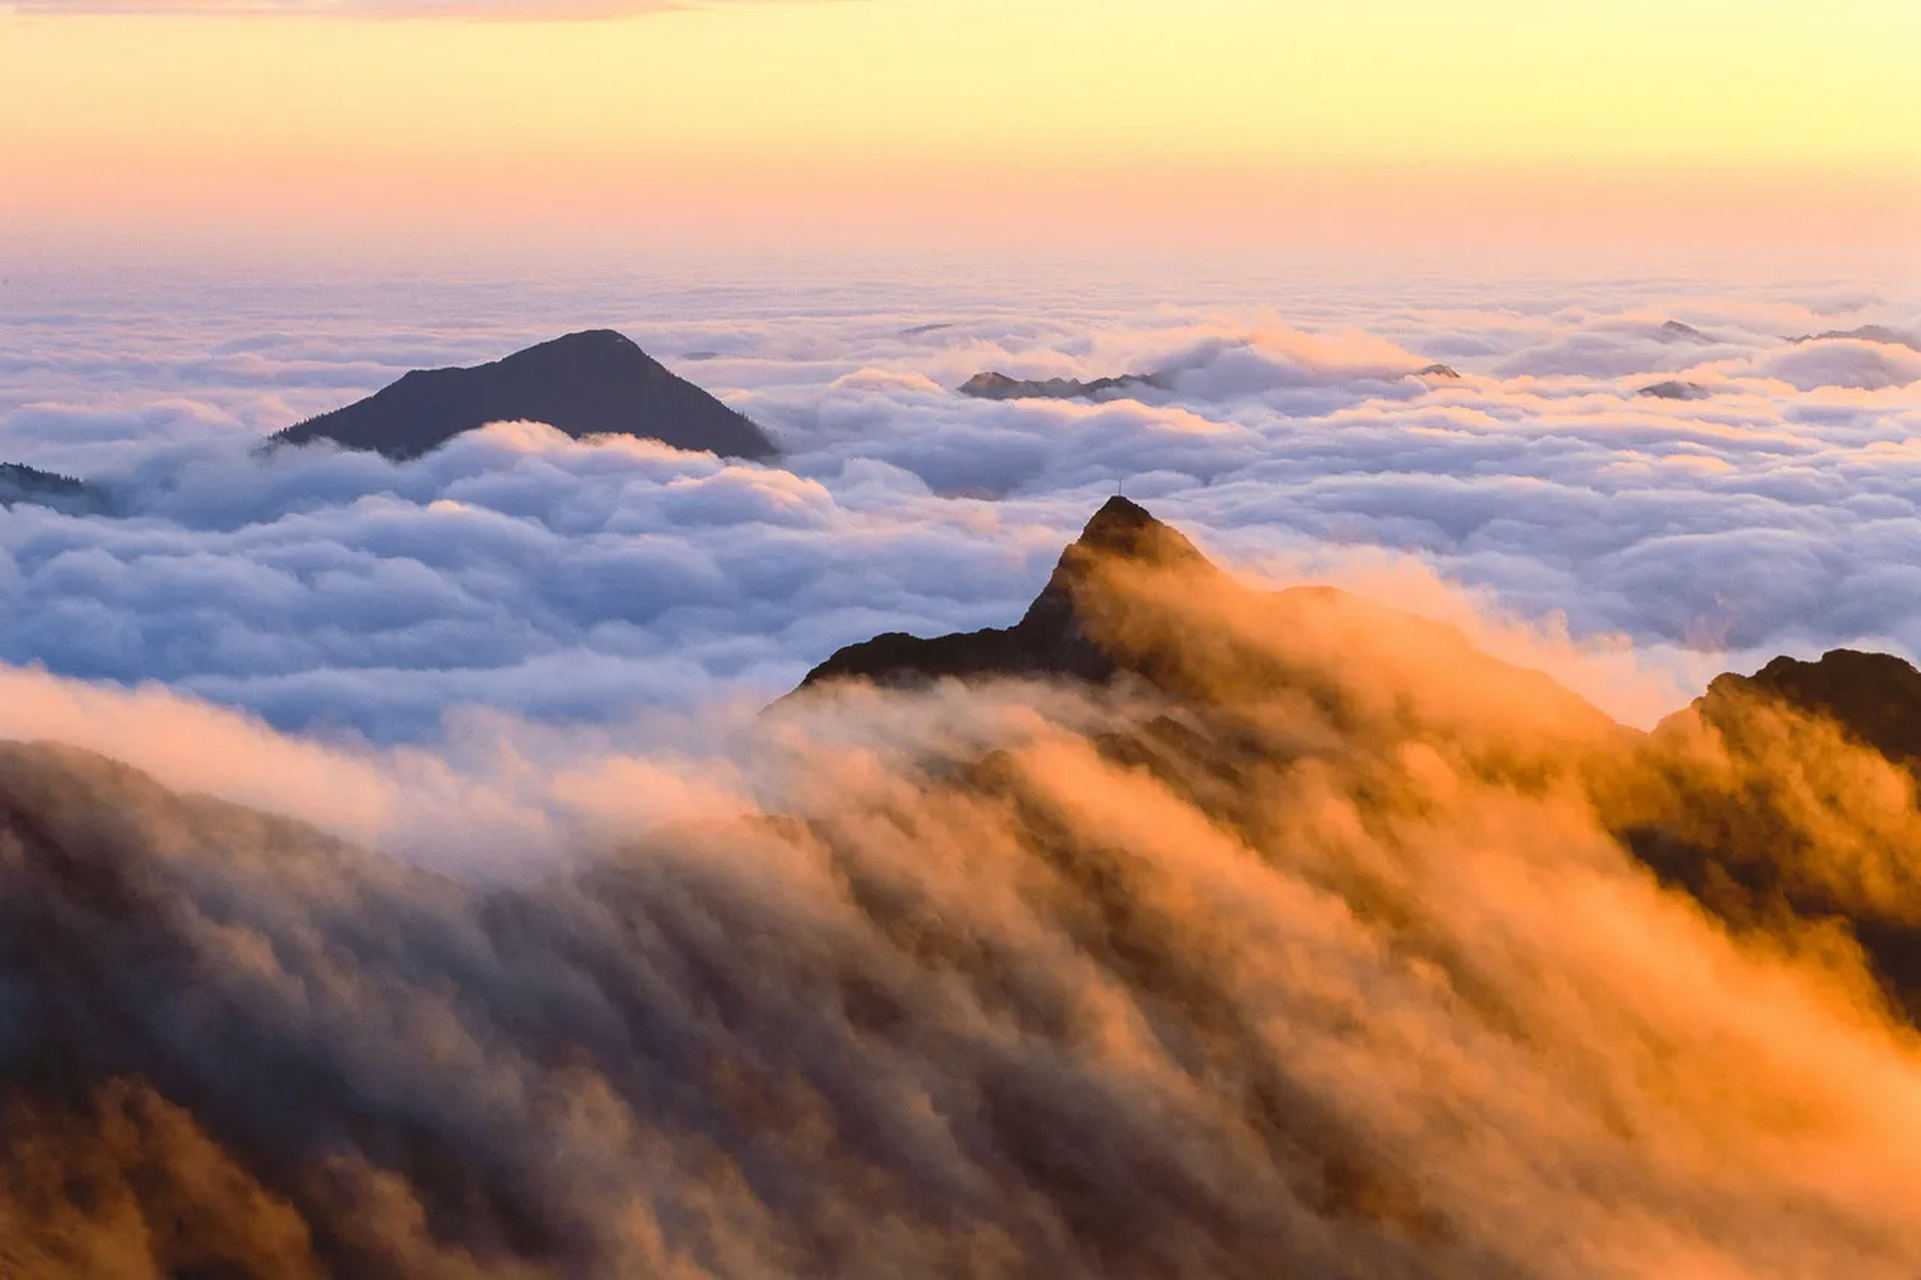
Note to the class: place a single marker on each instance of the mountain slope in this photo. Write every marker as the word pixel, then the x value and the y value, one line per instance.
pixel 1785 802
pixel 1300 930
pixel 19 483
pixel 1116 606
pixel 595 382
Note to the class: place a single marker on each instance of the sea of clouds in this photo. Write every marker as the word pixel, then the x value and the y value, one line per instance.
pixel 562 582
pixel 942 983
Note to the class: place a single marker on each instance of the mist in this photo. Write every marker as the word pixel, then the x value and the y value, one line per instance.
pixel 1321 953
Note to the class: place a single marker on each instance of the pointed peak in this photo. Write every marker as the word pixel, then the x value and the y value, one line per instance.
pixel 1118 513
pixel 1125 528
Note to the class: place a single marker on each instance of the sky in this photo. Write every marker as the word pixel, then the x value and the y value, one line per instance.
pixel 1592 332
pixel 374 124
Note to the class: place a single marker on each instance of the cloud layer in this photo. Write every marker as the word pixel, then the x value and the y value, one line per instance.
pixel 1088 1008
pixel 572 582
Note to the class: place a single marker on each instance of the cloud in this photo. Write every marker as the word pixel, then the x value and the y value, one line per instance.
pixel 1093 1009
pixel 576 583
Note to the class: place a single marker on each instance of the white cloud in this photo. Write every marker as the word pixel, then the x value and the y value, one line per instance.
pixel 562 581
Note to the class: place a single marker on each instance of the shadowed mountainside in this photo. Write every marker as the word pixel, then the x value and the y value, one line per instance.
pixel 1085 626
pixel 596 382
pixel 19 483
pixel 1741 837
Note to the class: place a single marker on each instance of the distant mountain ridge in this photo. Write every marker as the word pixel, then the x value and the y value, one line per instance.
pixel 595 382
pixel 1866 333
pixel 994 385
pixel 31 485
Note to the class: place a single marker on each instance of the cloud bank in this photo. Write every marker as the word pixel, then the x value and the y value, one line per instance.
pixel 1057 996
pixel 583 583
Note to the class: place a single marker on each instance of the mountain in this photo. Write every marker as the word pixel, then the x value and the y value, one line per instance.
pixel 1307 935
pixel 998 386
pixel 19 483
pixel 1866 333
pixel 1874 698
pixel 592 383
pixel 1091 623
pixel 1676 331
pixel 1737 838
pixel 993 385
pixel 1785 824
pixel 1675 389
pixel 1051 639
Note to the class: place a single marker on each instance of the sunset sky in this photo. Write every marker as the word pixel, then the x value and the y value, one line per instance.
pixel 970 117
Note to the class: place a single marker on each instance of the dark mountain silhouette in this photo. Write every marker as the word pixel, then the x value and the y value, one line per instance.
pixel 1675 389
pixel 1875 698
pixel 1866 333
pixel 591 383
pixel 1675 331
pixel 993 385
pixel 1084 627
pixel 1050 639
pixel 1738 837
pixel 998 386
pixel 20 483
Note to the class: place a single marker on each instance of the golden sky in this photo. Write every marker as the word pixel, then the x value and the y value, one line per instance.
pixel 1168 112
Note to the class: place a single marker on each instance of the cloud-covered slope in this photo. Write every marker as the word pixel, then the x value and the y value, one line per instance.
pixel 1108 984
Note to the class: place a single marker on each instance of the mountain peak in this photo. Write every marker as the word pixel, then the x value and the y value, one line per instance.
pixel 1125 530
pixel 1116 513
pixel 1874 697
pixel 589 382
pixel 1053 637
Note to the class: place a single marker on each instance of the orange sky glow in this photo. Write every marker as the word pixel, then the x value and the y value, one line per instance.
pixel 973 121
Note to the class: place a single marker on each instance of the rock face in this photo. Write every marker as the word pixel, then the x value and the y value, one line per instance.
pixel 592 383
pixel 1675 389
pixel 998 386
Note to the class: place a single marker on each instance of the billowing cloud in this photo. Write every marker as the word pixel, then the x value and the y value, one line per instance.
pixel 1353 985
pixel 579 583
